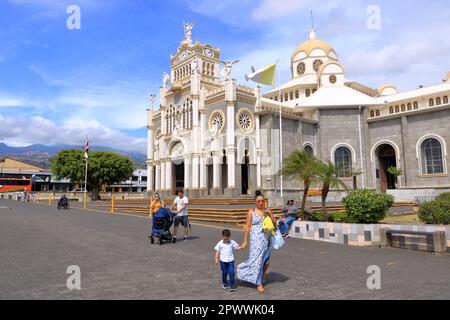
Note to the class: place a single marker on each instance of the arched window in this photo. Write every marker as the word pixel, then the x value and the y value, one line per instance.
pixel 432 161
pixel 297 95
pixel 372 114
pixel 286 97
pixel 397 109
pixel 291 95
pixel 377 113
pixel 309 150
pixel 445 100
pixel 343 161
pixel 409 107
pixel 403 108
pixel 307 92
pixel 438 101
pixel 431 103
pixel 391 110
pixel 416 105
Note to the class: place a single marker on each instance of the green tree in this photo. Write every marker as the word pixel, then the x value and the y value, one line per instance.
pixel 303 167
pixel 68 164
pixel 103 168
pixel 328 175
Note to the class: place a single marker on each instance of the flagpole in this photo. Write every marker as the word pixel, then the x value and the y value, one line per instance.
pixel 85 184
pixel 86 159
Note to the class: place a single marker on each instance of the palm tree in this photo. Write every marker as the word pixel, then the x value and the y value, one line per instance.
pixel 302 166
pixel 327 173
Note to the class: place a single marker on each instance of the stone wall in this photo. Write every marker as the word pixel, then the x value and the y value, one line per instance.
pixel 361 235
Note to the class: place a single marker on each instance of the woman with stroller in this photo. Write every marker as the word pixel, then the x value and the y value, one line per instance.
pixel 155 204
pixel 255 268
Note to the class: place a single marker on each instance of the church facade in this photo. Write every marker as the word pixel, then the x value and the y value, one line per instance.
pixel 213 137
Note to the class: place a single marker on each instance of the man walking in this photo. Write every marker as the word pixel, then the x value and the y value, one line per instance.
pixel 181 202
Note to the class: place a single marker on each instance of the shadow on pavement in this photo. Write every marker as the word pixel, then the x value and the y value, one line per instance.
pixel 272 277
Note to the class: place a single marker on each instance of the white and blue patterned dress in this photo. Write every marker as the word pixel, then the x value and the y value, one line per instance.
pixel 251 270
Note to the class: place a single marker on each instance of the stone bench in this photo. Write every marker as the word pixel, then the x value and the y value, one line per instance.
pixel 414 240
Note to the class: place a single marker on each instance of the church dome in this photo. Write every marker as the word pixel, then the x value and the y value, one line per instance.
pixel 313 43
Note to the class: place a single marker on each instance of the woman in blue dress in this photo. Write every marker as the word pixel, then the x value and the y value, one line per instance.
pixel 255 268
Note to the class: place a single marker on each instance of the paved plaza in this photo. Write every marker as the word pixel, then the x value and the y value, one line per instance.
pixel 38 243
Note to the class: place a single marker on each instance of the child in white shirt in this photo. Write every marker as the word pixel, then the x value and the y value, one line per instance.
pixel 224 254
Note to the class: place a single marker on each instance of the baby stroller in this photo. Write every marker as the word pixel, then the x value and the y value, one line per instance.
pixel 63 203
pixel 161 223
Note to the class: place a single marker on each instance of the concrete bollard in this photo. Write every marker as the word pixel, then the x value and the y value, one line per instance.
pixel 439 242
pixel 384 241
pixel 112 203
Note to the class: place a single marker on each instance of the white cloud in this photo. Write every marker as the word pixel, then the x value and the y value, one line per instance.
pixel 20 131
pixel 274 9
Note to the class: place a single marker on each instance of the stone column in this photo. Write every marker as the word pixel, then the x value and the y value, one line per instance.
pixel 230 98
pixel 216 173
pixel 150 177
pixel 203 172
pixel 169 175
pixel 187 172
pixel 163 175
pixel 158 176
pixel 195 167
pixel 150 154
pixel 203 136
pixel 258 152
pixel 196 135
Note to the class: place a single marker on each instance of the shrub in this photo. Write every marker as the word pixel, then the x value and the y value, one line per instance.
pixel 435 212
pixel 367 206
pixel 314 216
pixel 338 217
pixel 444 197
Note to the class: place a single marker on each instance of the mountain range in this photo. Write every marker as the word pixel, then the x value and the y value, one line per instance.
pixel 40 155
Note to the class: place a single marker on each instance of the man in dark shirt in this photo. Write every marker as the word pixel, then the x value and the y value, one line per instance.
pixel 289 216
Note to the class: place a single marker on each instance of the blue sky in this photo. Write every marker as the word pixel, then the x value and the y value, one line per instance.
pixel 58 85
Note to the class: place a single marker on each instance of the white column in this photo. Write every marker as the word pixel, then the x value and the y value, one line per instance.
pixel 150 177
pixel 203 172
pixel 195 164
pixel 187 172
pixel 216 172
pixel 169 174
pixel 231 149
pixel 162 176
pixel 158 177
pixel 258 153
pixel 150 153
pixel 230 97
pixel 203 167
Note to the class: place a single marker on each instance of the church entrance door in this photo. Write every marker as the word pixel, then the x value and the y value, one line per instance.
pixel 386 158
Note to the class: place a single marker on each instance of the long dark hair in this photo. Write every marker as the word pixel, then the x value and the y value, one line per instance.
pixel 258 193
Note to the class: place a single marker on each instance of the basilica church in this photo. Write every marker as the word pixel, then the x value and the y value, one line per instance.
pixel 214 137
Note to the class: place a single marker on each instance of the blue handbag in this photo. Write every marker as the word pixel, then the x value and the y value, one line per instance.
pixel 276 241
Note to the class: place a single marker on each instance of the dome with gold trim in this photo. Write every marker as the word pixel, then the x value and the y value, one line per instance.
pixel 313 43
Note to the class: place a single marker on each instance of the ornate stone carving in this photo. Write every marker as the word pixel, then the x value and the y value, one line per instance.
pixel 228 66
